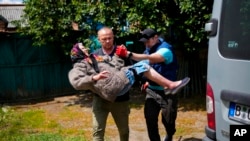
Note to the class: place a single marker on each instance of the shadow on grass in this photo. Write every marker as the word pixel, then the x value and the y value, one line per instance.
pixel 193 103
pixel 137 98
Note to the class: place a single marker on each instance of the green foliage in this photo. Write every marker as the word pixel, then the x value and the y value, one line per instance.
pixel 195 13
pixel 182 21
pixel 46 21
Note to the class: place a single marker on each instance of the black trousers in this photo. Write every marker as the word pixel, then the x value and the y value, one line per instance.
pixel 155 102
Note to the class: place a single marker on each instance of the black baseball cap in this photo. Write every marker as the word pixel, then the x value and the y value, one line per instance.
pixel 147 34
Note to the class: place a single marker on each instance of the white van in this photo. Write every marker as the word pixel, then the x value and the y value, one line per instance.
pixel 228 72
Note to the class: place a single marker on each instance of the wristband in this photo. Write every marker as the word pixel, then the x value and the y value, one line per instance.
pixel 130 54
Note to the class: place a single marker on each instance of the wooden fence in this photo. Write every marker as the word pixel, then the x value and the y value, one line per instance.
pixel 193 65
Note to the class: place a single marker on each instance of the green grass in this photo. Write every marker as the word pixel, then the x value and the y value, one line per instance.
pixel 41 137
pixel 31 125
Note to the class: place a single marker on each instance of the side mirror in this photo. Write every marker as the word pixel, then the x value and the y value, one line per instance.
pixel 211 27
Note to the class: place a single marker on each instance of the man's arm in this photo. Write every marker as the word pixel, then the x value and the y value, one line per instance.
pixel 153 58
pixel 156 57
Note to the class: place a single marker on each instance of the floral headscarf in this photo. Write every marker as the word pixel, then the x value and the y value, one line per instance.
pixel 77 54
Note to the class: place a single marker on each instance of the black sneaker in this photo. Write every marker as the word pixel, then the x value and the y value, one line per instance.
pixel 168 138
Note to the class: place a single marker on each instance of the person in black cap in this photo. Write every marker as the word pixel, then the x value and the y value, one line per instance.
pixel 163 60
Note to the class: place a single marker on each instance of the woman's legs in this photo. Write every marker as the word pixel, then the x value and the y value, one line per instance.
pixel 142 67
pixel 159 79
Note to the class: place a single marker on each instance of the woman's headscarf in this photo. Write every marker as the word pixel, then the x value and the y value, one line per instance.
pixel 77 54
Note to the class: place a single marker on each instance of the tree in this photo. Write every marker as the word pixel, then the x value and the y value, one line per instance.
pixel 195 13
pixel 49 21
pixel 182 20
pixel 46 21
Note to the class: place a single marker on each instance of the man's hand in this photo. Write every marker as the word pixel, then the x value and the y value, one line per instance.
pixel 75 26
pixel 121 51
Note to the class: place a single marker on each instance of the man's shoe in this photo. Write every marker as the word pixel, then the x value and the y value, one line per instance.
pixel 184 82
pixel 168 138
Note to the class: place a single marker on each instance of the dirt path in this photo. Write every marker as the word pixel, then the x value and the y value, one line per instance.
pixel 190 123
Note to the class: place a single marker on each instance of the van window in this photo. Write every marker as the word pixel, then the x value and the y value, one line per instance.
pixel 234 38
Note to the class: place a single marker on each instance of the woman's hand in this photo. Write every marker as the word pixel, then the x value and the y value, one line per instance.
pixel 101 75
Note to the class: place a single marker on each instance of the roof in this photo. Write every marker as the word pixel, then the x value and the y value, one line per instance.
pixel 11 13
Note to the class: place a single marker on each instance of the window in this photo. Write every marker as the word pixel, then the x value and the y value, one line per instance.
pixel 234 38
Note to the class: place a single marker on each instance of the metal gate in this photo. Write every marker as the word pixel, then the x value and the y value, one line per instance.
pixel 28 72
